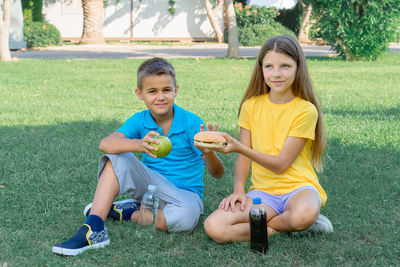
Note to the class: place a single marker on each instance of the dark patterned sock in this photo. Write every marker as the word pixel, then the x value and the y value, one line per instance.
pixel 95 222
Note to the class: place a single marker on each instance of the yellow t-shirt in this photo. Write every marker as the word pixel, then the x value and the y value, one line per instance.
pixel 270 124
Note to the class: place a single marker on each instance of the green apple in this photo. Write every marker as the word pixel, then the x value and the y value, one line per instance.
pixel 164 147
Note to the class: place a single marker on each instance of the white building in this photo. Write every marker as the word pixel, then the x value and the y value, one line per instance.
pixel 278 4
pixel 16 40
pixel 136 20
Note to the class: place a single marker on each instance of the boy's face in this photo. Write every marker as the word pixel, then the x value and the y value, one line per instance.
pixel 158 93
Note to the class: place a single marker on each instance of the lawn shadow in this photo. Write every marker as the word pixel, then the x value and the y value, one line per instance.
pixel 49 159
pixel 363 186
pixel 363 189
pixel 378 113
pixel 361 181
pixel 49 173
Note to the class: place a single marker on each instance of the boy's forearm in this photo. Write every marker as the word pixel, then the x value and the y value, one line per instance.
pixel 116 145
pixel 214 164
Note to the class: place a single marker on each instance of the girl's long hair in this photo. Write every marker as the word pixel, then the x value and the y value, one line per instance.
pixel 301 87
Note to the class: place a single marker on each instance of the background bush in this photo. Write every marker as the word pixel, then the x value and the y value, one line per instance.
pixel 257 24
pixel 257 34
pixel 250 15
pixel 41 34
pixel 358 30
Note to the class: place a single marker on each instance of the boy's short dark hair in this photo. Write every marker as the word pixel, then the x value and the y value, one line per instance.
pixel 154 66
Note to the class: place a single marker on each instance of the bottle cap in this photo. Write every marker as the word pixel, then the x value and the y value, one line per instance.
pixel 152 187
pixel 256 200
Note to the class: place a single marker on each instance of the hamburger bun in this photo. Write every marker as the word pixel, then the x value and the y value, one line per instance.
pixel 210 139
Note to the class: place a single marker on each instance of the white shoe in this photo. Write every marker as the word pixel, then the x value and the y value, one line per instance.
pixel 321 225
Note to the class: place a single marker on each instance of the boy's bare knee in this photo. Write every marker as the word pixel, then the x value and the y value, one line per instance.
pixel 161 222
pixel 108 169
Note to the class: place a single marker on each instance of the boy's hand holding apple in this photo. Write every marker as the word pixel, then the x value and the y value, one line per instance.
pixel 155 145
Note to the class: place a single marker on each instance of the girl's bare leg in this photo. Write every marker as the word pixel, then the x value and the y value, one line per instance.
pixel 227 226
pixel 301 212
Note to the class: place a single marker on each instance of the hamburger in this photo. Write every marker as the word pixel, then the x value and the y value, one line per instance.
pixel 210 139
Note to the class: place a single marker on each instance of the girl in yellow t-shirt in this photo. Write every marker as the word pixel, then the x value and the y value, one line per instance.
pixel 281 139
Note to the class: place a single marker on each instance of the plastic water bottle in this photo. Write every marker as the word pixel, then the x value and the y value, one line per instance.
pixel 149 207
pixel 258 227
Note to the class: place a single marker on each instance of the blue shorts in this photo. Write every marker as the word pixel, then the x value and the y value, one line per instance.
pixel 279 202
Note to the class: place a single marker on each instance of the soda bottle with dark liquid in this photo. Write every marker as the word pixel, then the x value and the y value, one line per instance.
pixel 258 227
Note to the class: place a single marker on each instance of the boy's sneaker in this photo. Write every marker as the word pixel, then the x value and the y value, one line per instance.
pixel 120 210
pixel 84 239
pixel 321 225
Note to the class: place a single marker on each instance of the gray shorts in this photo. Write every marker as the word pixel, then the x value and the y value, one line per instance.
pixel 181 208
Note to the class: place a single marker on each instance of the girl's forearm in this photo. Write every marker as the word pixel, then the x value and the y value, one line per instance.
pixel 276 163
pixel 271 162
pixel 242 168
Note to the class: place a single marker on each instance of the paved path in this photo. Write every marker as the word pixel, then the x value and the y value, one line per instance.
pixel 116 51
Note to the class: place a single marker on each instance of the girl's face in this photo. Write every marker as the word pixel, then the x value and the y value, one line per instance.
pixel 279 72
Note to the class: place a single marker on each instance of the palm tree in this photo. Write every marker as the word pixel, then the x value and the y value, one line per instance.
pixel 93 19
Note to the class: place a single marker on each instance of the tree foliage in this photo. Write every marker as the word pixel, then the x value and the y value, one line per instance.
pixel 32 10
pixel 358 29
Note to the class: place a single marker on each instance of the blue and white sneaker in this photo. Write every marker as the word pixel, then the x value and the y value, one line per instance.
pixel 320 226
pixel 120 210
pixel 84 239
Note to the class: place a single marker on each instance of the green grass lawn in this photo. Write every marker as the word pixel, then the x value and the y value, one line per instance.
pixel 54 113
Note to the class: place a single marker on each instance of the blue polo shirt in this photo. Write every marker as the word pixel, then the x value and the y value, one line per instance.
pixel 183 166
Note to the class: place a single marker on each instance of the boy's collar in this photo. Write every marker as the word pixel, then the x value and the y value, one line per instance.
pixel 177 126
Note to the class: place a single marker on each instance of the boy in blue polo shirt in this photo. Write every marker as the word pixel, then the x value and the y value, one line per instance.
pixel 178 176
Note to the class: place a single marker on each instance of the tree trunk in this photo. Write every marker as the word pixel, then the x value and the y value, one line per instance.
pixel 93 19
pixel 233 36
pixel 5 18
pixel 306 24
pixel 213 20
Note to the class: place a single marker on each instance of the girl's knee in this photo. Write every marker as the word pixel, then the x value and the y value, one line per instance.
pixel 214 229
pixel 304 216
pixel 209 226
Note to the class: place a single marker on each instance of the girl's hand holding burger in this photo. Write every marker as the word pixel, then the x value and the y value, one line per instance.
pixel 232 145
pixel 211 140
